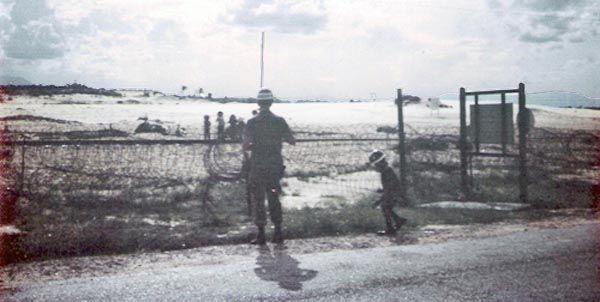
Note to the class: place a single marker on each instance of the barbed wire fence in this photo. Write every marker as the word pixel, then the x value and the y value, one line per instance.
pixel 86 170
pixel 143 168
pixel 136 170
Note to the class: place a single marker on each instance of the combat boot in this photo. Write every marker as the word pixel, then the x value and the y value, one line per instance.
pixel 260 237
pixel 400 222
pixel 277 235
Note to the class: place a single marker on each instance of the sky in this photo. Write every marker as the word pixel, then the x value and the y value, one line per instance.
pixel 314 49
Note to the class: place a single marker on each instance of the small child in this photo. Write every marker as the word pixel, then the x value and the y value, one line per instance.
pixel 220 126
pixel 241 125
pixel 391 193
pixel 232 130
pixel 206 127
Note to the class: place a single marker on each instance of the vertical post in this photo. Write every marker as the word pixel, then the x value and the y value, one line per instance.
pixel 503 123
pixel 262 62
pixel 522 124
pixel 22 183
pixel 463 144
pixel 477 126
pixel 401 146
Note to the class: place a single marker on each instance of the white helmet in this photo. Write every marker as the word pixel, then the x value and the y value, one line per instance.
pixel 265 97
pixel 375 157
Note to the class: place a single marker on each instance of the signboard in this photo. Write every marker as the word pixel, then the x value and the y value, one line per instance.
pixel 490 123
pixel 434 103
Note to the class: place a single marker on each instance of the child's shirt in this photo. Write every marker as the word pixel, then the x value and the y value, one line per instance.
pixel 391 185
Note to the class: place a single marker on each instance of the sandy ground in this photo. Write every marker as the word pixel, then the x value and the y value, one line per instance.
pixel 102 110
pixel 96 109
pixel 13 275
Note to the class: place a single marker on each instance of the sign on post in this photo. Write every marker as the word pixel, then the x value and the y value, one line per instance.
pixel 486 123
pixel 434 105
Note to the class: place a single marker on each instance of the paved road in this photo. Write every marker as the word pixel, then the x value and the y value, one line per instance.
pixel 541 265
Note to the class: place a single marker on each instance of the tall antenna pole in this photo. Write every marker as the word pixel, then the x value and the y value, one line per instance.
pixel 262 62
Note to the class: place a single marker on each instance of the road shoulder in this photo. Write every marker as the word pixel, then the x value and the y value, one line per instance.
pixel 96 266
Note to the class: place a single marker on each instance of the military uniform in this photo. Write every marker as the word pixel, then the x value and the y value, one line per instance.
pixel 265 133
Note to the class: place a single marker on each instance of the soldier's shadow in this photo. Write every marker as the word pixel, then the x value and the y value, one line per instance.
pixel 403 239
pixel 278 266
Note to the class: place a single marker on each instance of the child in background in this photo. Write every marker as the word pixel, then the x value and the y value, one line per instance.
pixel 391 193
pixel 232 130
pixel 220 126
pixel 206 127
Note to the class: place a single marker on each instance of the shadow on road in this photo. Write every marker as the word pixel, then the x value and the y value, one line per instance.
pixel 278 266
pixel 403 238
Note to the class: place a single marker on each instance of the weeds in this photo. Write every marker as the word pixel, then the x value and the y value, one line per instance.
pixel 91 200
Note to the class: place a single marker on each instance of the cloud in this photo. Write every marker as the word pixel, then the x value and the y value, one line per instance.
pixel 531 38
pixel 548 21
pixel 105 21
pixel 167 31
pixel 34 32
pixel 551 5
pixel 35 41
pixel 548 28
pixel 305 16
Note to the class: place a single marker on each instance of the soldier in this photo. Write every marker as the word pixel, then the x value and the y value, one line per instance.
pixel 263 137
pixel 391 193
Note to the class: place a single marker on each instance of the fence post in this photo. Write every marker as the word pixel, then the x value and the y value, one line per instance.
pixel 522 124
pixel 22 180
pixel 463 145
pixel 401 146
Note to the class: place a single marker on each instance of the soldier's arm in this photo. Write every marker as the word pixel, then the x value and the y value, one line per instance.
pixel 246 144
pixel 289 135
pixel 291 139
pixel 247 138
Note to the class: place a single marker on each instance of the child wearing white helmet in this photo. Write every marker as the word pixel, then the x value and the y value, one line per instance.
pixel 391 193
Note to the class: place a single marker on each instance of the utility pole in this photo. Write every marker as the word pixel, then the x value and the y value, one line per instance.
pixel 401 145
pixel 262 62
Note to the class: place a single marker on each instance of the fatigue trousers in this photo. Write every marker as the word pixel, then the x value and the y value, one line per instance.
pixel 265 184
pixel 392 220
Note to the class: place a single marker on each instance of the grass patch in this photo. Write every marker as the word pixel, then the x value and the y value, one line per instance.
pixel 86 223
pixel 334 220
pixel 81 212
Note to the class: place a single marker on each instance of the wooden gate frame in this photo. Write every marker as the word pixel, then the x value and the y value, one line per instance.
pixel 466 154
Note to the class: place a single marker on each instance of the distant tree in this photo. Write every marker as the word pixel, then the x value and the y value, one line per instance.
pixel 411 98
pixel 200 90
pixel 183 88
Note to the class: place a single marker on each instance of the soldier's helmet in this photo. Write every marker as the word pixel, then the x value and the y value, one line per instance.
pixel 376 157
pixel 265 97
